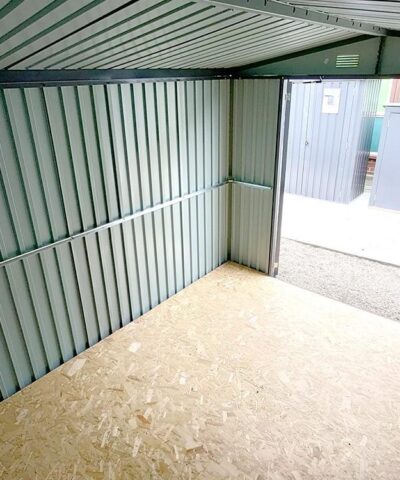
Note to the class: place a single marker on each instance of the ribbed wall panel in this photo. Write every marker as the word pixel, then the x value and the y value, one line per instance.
pixel 251 226
pixel 369 107
pixel 74 158
pixel 255 130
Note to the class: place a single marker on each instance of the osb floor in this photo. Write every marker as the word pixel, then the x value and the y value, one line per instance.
pixel 238 376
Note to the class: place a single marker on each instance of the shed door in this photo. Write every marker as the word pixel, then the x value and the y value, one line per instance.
pixel 324 123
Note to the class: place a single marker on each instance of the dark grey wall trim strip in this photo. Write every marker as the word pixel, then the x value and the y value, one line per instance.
pixel 119 221
pixel 37 78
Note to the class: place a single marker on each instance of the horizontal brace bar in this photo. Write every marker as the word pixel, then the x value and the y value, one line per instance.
pixel 248 184
pixel 38 78
pixel 108 225
pixel 301 14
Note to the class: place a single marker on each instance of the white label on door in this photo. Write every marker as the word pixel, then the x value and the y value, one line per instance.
pixel 331 100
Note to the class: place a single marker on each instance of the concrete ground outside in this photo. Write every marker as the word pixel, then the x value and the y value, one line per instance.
pixel 356 228
pixel 362 283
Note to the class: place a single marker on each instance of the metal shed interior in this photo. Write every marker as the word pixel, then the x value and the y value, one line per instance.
pixel 103 148
pixel 139 151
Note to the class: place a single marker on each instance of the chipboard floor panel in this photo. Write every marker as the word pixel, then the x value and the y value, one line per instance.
pixel 237 376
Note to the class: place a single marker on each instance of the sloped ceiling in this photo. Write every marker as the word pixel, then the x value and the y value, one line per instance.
pixel 118 34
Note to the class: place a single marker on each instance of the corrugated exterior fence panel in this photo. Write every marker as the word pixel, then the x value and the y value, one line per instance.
pixel 326 154
pixel 255 131
pixel 369 107
pixel 74 158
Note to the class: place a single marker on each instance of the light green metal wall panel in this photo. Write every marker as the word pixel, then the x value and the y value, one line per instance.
pixel 255 130
pixel 76 158
pixel 251 226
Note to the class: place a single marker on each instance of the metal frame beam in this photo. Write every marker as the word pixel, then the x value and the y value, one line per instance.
pixel 38 78
pixel 284 10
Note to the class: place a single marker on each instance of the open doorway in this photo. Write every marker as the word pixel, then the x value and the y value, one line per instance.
pixel 341 203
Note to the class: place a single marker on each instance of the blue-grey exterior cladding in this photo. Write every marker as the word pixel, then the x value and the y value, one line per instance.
pixel 328 153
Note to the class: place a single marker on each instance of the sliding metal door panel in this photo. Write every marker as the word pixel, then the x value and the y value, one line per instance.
pixel 77 158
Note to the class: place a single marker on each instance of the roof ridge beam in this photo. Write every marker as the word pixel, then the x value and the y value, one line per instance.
pixel 285 10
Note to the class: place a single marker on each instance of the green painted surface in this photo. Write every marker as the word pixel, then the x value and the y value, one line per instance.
pixel 384 98
pixel 324 61
pixel 384 95
pixel 376 134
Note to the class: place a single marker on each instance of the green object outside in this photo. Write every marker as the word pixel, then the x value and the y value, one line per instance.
pixel 376 134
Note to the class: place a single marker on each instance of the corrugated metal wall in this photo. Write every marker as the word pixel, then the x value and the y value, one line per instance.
pixel 76 158
pixel 255 131
pixel 361 150
pixel 327 153
pixel 385 191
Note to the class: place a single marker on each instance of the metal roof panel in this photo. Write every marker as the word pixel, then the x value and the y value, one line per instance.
pixel 385 13
pixel 104 34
